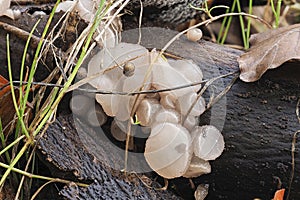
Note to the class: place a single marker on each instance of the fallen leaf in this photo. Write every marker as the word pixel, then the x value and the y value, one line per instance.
pixel 4 6
pixel 269 50
pixel 3 89
pixel 7 110
pixel 279 194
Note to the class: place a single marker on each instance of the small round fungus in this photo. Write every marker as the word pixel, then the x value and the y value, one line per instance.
pixel 167 115
pixel 184 103
pixel 146 110
pixel 167 100
pixel 194 34
pixel 208 142
pixel 168 150
pixel 128 69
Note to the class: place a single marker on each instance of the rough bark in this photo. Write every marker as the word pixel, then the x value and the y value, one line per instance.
pixel 170 11
pixel 69 158
pixel 259 123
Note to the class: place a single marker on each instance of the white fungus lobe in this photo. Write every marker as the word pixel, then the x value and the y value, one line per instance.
pixel 208 142
pixel 168 150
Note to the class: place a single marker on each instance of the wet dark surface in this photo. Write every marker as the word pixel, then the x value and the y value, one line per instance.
pixel 257 121
pixel 260 121
pixel 62 146
pixel 259 127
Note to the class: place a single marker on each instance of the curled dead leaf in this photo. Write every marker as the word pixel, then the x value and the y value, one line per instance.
pixel 269 50
pixel 279 194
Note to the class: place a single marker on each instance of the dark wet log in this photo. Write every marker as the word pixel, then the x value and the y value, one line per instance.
pixel 63 147
pixel 167 11
pixel 257 120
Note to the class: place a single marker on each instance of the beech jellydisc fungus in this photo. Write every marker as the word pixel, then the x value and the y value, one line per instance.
pixel 177 146
pixel 208 142
pixel 168 149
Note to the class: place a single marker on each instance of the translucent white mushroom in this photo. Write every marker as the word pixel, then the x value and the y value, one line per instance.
pixel 165 76
pixel 208 142
pixel 167 115
pixel 184 103
pixel 106 100
pixel 168 150
pixel 112 79
pixel 66 6
pixel 167 100
pixel 146 111
pixel 197 168
pixel 85 8
pixel 190 70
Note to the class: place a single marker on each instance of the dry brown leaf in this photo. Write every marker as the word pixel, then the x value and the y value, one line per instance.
pixel 269 50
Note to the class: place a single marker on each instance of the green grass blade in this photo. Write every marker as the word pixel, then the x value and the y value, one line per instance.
pixel 249 23
pixel 36 56
pixel 246 46
pixel 20 118
pixel 22 109
pixel 14 162
pixel 98 17
pixel 12 144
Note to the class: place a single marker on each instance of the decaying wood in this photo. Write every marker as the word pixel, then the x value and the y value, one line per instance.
pixel 259 124
pixel 64 149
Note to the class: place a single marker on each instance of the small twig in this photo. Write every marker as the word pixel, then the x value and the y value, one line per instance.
pixel 203 89
pixel 23 177
pixel 40 189
pixel 297 110
pixel 123 93
pixel 293 162
pixel 165 187
pixel 224 92
pixel 293 150
pixel 210 21
pixel 21 34
pixel 41 177
pixel 140 22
